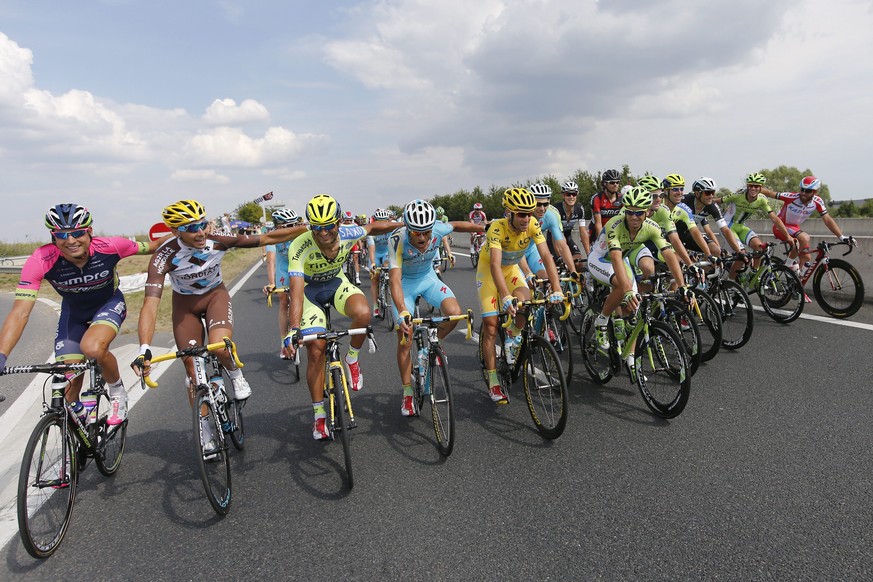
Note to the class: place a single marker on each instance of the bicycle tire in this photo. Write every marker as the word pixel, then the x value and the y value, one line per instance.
pixel 442 410
pixel 737 317
pixel 504 370
pixel 545 387
pixel 578 307
pixel 781 294
pixel 562 342
pixel 661 371
pixel 685 325
pixel 237 423
pixel 709 325
pixel 214 470
pixel 474 258
pixel 597 362
pixel 44 510
pixel 831 298
pixel 389 317
pixel 417 376
pixel 110 441
pixel 342 422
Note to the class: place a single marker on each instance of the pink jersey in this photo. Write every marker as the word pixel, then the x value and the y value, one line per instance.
pixel 794 211
pixel 478 217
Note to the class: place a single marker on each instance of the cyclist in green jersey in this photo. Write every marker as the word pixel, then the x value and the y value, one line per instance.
pixel 673 187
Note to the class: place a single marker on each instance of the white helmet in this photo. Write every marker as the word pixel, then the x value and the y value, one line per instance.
pixel 419 215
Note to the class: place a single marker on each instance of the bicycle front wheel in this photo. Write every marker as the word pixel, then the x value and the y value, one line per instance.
pixel 597 361
pixel 685 326
pixel 46 486
pixel 545 387
pixel 237 423
pixel 342 422
pixel 661 371
pixel 838 288
pixel 212 457
pixel 558 333
pixel 110 442
pixel 737 318
pixel 781 294
pixel 440 397
pixel 709 325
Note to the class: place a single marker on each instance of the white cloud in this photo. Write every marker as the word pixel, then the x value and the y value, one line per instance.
pixel 228 146
pixel 227 112
pixel 200 176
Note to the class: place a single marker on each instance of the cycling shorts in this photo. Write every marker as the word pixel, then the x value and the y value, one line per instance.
pixel 793 230
pixel 428 287
pixel 489 303
pixel 602 270
pixel 316 294
pixel 189 311
pixel 744 233
pixel 74 322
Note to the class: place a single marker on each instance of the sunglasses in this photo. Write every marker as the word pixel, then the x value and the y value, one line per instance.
pixel 524 214
pixel 421 232
pixel 573 194
pixel 677 189
pixel 325 228
pixel 542 204
pixel 73 233
pixel 611 182
pixel 635 212
pixel 808 190
pixel 193 227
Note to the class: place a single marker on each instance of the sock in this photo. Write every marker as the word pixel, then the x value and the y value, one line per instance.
pixel 601 320
pixel 318 410
pixel 235 373
pixel 352 355
pixel 116 389
pixel 407 389
pixel 492 378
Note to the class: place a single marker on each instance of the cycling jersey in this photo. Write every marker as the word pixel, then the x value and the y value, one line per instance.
pixel 552 227
pixel 709 210
pixel 85 288
pixel 664 218
pixel 606 208
pixel 616 236
pixel 416 263
pixel 575 218
pixel 281 252
pixel 194 271
pixel 513 244
pixel 306 259
pixel 738 209
pixel 478 217
pixel 794 211
pixel 380 247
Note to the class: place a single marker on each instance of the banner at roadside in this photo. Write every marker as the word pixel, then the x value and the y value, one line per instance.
pixel 265 197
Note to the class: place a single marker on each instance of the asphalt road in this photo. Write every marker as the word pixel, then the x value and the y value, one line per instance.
pixel 766 475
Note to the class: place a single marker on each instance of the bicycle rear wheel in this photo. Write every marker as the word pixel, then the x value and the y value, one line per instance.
pixel 597 361
pixel 781 294
pixel 237 423
pixel 685 326
pixel 558 334
pixel 661 371
pixel 46 486
pixel 110 441
pixel 838 288
pixel 545 387
pixel 737 317
pixel 709 324
pixel 440 397
pixel 214 464
pixel 342 423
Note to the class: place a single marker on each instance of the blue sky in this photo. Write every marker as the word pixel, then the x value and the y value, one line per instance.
pixel 128 105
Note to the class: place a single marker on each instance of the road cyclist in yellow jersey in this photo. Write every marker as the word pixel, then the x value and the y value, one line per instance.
pixel 501 282
pixel 609 265
pixel 315 273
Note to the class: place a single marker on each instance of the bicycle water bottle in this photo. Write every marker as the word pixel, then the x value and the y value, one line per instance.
pixel 619 327
pixel 220 398
pixel 79 410
pixel 89 401
pixel 422 360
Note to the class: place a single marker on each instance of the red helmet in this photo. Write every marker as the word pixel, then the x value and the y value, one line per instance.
pixel 477 206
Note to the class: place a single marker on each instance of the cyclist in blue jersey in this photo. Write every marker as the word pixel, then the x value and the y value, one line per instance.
pixel 377 246
pixel 411 252
pixel 553 229
pixel 277 269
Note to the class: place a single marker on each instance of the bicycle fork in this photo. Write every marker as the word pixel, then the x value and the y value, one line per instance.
pixel 335 364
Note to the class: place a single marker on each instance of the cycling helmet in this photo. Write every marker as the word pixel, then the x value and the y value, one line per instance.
pixel 673 181
pixel 361 219
pixel 649 182
pixel 519 200
pixel 756 179
pixel 704 184
pixel 348 216
pixel 419 215
pixel 286 216
pixel 323 210
pixel 541 190
pixel 810 183
pixel 269 225
pixel 183 212
pixel 637 197
pixel 477 206
pixel 625 189
pixel 381 214
pixel 67 216
pixel 570 187
pixel 440 211
pixel 610 176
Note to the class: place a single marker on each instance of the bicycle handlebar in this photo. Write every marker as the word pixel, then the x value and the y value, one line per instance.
pixel 194 351
pixel 335 335
pixel 276 290
pixel 55 368
pixel 517 303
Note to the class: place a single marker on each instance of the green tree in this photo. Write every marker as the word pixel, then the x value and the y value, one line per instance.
pixel 866 209
pixel 250 212
pixel 846 210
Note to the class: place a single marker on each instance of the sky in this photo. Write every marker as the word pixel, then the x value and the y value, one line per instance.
pixel 125 106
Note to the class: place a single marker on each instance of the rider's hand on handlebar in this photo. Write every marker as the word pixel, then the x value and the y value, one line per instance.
pixel 404 322
pixel 556 297
pixel 268 289
pixel 290 342
pixel 141 365
pixel 509 305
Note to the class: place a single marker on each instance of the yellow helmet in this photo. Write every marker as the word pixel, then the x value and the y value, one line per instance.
pixel 323 210
pixel 183 212
pixel 519 200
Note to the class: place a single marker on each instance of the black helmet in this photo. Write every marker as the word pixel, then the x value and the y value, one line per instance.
pixel 610 176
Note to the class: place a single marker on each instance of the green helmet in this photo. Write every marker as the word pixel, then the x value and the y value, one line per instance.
pixel 649 182
pixel 440 210
pixel 757 179
pixel 673 181
pixel 637 197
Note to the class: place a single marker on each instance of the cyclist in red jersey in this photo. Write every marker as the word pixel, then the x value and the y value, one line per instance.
pixel 605 204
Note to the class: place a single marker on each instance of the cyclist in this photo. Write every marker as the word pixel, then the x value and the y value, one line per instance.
pixel 477 216
pixel 702 204
pixel 573 216
pixel 81 268
pixel 411 252
pixel 192 259
pixel 349 220
pixel 500 280
pixel 690 237
pixel 277 269
pixel 605 204
pixel 743 204
pixel 608 262
pixel 377 245
pixel 315 269
pixel 796 208
pixel 552 228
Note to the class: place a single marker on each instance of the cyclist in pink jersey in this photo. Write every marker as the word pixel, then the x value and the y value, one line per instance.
pixel 81 268
pixel 796 208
